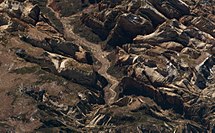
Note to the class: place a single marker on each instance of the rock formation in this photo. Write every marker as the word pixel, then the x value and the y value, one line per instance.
pixel 112 66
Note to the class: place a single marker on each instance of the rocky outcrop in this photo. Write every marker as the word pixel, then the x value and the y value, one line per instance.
pixel 127 27
pixel 171 8
pixel 152 13
pixel 144 15
pixel 65 48
pixel 171 30
pixel 152 68
pixel 205 25
pixel 64 66
pixel 97 26
pixel 31 14
pixel 26 11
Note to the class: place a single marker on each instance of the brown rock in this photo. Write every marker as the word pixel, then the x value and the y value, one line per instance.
pixel 171 8
pixel 205 25
pixel 128 26
pixel 31 14
pixel 172 46
pixel 171 30
pixel 155 16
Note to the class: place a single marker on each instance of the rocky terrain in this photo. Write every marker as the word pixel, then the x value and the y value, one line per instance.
pixel 113 66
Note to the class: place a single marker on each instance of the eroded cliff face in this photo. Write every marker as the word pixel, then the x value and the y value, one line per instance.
pixel 113 66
